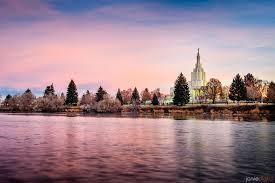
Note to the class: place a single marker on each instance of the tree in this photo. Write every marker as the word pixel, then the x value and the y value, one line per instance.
pixel 271 92
pixel 49 90
pixel 87 99
pixel 135 96
pixel 181 91
pixel 237 89
pixel 262 88
pixel 249 80
pixel 225 93
pixel 7 100
pixel 14 103
pixel 252 90
pixel 72 95
pixel 100 94
pixel 126 96
pixel 108 104
pixel 157 92
pixel 49 103
pixel 204 95
pixel 155 100
pixel 119 96
pixel 63 98
pixel 145 95
pixel 26 101
pixel 214 88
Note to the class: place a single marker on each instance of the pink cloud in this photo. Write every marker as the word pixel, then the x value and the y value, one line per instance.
pixel 121 55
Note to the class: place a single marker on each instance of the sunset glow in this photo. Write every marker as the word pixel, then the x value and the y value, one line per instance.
pixel 127 44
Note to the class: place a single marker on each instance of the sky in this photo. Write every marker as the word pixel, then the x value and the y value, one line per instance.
pixel 127 43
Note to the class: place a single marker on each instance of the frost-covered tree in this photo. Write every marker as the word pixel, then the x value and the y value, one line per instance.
pixel 26 101
pixel 252 89
pixel 14 103
pixel 49 103
pixel 87 99
pixel 108 104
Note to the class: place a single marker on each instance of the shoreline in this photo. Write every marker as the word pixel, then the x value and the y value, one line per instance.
pixel 233 108
pixel 198 112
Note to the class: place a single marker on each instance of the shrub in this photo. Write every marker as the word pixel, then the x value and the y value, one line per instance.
pixel 49 103
pixel 108 104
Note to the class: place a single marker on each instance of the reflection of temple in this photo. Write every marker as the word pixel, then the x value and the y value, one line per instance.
pixel 197 81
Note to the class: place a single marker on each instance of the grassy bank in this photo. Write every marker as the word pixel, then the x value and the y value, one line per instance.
pixel 262 109
pixel 196 109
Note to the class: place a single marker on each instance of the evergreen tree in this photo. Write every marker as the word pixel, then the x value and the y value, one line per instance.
pixel 8 97
pixel 181 91
pixel 135 96
pixel 72 95
pixel 119 96
pixel 49 90
pixel 28 91
pixel 7 100
pixel 100 94
pixel 52 89
pixel 249 80
pixel 155 100
pixel 237 89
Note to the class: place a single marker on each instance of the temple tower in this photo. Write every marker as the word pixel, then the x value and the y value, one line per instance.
pixel 197 79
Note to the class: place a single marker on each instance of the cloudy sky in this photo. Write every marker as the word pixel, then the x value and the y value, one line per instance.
pixel 129 43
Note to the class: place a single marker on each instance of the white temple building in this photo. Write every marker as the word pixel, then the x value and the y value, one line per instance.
pixel 198 79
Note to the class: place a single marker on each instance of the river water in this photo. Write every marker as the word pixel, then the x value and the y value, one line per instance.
pixel 36 148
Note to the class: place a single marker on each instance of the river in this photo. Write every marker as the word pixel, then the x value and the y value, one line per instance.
pixel 37 148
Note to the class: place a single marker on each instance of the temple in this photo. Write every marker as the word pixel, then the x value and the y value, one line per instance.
pixel 197 80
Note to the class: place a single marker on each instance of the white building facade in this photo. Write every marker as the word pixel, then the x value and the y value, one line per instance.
pixel 198 80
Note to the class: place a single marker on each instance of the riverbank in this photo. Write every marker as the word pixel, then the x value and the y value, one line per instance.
pixel 258 109
pixel 242 112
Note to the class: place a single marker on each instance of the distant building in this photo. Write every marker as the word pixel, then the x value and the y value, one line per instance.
pixel 168 99
pixel 198 80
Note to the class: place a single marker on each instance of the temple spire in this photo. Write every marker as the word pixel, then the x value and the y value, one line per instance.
pixel 198 58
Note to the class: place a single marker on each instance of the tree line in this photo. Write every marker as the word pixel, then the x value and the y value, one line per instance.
pixel 247 89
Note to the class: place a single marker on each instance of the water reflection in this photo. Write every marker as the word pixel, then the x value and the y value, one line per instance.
pixel 112 149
